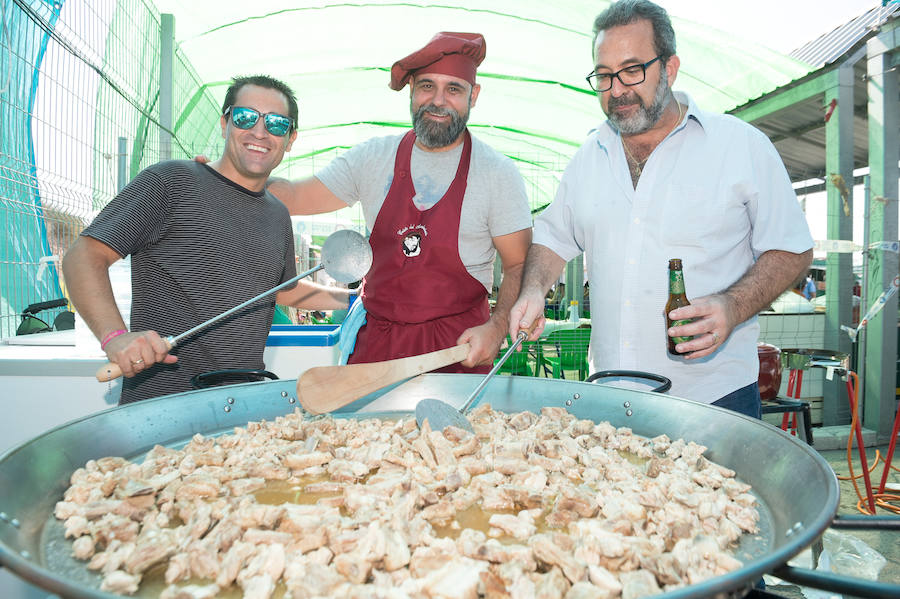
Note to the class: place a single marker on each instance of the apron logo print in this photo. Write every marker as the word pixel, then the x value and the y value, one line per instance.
pixel 412 245
pixel 412 240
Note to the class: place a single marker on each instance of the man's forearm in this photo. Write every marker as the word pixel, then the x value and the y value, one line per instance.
pixel 774 272
pixel 304 196
pixel 312 296
pixel 542 268
pixel 89 288
pixel 506 295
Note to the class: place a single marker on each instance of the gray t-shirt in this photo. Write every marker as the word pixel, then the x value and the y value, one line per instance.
pixel 200 244
pixel 494 204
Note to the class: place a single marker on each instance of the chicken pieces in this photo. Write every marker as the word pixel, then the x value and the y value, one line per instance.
pixel 532 505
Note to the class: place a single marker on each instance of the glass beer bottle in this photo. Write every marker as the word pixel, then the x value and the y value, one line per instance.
pixel 677 299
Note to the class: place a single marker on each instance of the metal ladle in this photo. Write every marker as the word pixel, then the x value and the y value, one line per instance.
pixel 346 257
pixel 440 414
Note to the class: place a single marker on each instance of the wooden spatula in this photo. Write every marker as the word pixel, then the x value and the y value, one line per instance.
pixel 326 388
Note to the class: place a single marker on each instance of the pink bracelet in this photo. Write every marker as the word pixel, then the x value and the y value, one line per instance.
pixel 110 336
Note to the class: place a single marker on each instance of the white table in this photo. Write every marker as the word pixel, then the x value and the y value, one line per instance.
pixel 47 379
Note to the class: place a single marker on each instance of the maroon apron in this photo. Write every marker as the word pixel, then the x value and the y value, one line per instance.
pixel 418 295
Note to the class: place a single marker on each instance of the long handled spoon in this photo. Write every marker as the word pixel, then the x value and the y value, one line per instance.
pixel 346 257
pixel 440 414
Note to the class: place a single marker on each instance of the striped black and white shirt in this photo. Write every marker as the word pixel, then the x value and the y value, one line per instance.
pixel 200 245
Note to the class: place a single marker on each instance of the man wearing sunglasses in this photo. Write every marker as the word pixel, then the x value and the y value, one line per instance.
pixel 203 239
pixel 440 204
pixel 662 179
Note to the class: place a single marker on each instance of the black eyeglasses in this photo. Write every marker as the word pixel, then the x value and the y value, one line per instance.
pixel 245 118
pixel 632 75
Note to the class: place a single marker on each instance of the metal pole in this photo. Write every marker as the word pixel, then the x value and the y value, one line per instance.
pixel 863 302
pixel 883 111
pixel 166 87
pixel 122 155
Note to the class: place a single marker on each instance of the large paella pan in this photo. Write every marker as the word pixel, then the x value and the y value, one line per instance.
pixel 797 490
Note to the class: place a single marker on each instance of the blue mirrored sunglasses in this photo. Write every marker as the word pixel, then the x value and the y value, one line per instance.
pixel 245 118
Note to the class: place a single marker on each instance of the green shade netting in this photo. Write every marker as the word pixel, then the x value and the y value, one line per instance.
pixel 81 102
pixel 535 105
pixel 23 235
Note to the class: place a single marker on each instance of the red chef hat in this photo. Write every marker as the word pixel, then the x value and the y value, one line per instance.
pixel 448 53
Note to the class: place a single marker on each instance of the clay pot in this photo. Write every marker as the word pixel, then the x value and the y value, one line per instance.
pixel 769 370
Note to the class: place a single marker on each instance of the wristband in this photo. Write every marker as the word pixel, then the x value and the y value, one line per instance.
pixel 110 336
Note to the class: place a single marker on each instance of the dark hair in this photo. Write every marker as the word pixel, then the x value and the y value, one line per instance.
pixel 625 12
pixel 267 82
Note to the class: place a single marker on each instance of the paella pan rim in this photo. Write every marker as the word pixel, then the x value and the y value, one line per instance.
pixel 801 475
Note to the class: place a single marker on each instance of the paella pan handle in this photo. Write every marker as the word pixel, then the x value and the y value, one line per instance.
pixel 665 383
pixel 817 579
pixel 230 375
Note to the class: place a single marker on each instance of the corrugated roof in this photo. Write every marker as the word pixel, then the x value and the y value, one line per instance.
pixel 798 129
pixel 829 47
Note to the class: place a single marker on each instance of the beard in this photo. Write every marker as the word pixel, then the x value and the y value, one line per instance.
pixel 645 117
pixel 434 134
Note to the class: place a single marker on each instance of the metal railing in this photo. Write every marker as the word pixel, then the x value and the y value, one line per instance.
pixel 79 107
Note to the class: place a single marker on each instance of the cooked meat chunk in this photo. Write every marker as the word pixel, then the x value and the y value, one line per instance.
pixel 548 552
pixel 191 591
pixel 120 582
pixel 83 547
pixel 520 526
pixel 638 583
pixel 456 579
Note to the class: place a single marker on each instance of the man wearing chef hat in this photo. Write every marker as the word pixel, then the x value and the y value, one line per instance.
pixel 439 189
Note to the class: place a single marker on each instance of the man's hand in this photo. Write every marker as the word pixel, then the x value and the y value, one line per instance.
pixel 485 340
pixel 528 311
pixel 716 315
pixel 713 320
pixel 135 352
pixel 201 159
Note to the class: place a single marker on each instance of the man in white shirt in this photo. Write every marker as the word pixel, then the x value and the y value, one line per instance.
pixel 662 179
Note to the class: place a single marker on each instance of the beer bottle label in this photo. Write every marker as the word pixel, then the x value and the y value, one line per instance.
pixel 676 282
pixel 678 323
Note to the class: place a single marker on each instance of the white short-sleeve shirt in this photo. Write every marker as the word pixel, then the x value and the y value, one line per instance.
pixel 715 194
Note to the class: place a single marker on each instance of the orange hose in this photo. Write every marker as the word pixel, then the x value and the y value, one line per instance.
pixel 882 500
pixel 871 468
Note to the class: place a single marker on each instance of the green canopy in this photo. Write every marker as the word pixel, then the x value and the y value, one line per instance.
pixel 80 102
pixel 535 105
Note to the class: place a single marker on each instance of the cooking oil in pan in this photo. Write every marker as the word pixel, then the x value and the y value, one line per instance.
pixel 477 518
pixel 277 492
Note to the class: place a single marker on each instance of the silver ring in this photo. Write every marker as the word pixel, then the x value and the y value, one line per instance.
pixel 715 337
pixel 138 361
